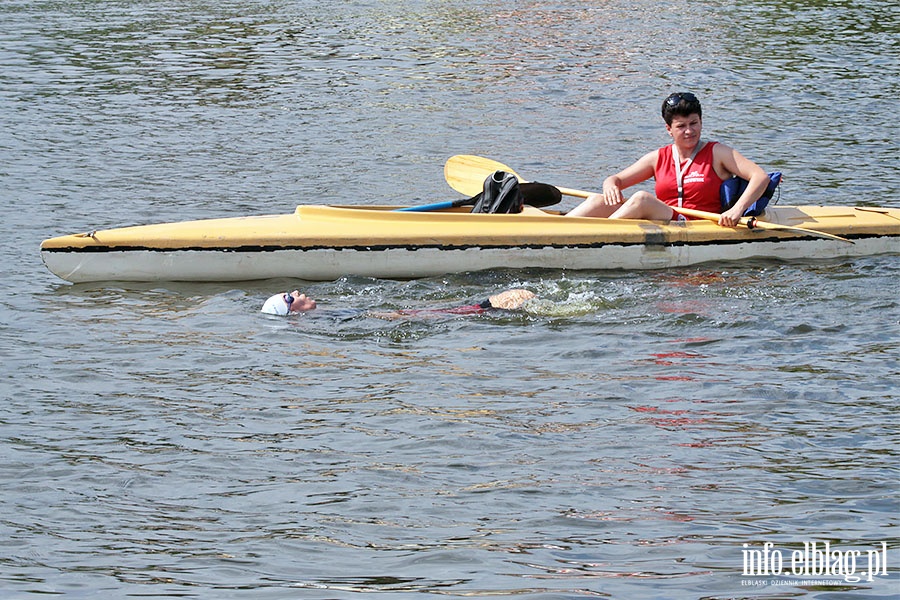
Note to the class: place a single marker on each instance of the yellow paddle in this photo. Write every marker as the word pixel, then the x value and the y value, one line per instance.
pixel 466 174
pixel 754 223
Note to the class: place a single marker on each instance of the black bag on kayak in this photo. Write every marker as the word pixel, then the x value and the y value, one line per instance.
pixel 501 195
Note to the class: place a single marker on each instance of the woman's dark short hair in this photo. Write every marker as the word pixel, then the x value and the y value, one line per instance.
pixel 682 104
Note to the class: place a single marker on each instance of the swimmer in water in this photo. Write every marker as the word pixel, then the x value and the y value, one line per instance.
pixel 292 303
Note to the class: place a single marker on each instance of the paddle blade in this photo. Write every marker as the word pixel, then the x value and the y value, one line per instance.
pixel 466 173
pixel 540 195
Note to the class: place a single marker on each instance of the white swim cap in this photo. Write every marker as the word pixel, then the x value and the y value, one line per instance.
pixel 276 305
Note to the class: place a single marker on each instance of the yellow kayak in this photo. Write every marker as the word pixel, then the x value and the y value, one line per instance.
pixel 328 242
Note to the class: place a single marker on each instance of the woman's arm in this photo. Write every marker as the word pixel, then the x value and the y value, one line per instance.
pixel 641 170
pixel 599 204
pixel 732 162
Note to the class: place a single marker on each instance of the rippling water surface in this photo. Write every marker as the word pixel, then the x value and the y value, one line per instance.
pixel 626 435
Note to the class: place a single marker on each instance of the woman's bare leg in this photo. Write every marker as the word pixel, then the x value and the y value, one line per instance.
pixel 643 205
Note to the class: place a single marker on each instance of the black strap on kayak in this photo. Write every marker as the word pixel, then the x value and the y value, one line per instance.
pixel 540 195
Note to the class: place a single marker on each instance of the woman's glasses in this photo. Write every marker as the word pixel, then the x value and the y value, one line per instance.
pixel 677 97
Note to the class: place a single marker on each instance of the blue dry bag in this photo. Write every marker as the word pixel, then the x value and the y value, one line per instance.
pixel 732 189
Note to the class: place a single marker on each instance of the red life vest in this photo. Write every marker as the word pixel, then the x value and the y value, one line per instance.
pixel 701 183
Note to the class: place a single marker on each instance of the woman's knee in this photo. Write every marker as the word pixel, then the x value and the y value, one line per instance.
pixel 643 205
pixel 642 199
pixel 593 206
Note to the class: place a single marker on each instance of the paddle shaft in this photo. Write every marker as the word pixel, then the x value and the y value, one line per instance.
pixel 573 193
pixel 754 223
pixel 437 205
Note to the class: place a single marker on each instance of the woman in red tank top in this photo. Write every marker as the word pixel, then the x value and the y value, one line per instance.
pixel 688 174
